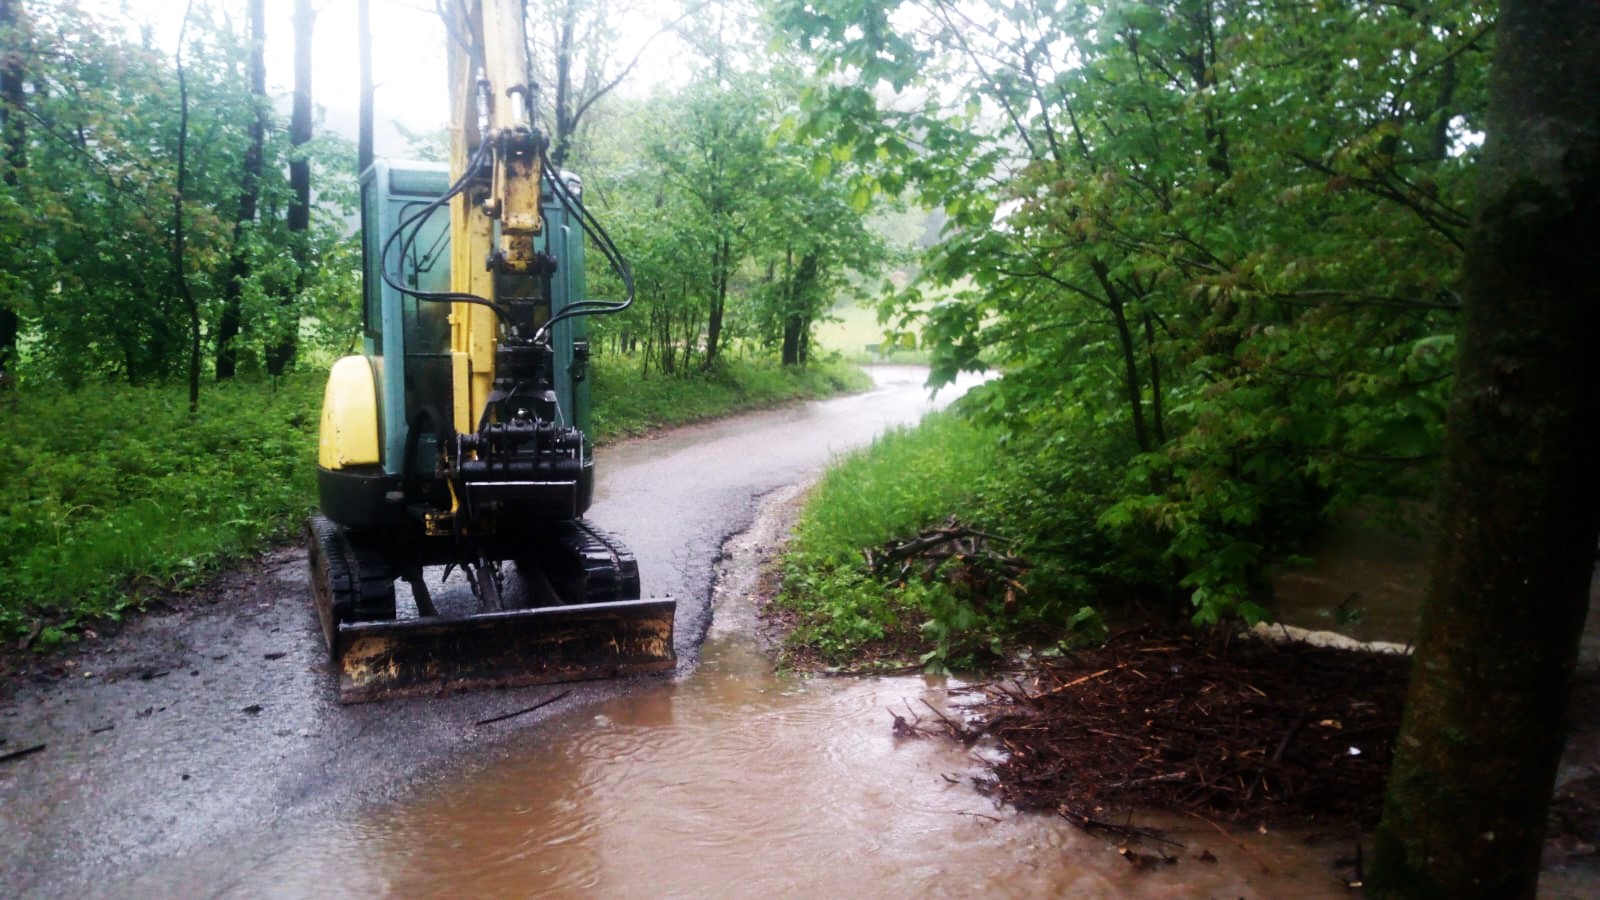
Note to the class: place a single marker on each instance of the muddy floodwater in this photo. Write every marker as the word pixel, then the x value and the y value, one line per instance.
pixel 201 753
pixel 735 782
pixel 738 782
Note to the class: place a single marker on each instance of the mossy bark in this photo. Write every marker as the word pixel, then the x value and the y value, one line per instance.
pixel 1520 493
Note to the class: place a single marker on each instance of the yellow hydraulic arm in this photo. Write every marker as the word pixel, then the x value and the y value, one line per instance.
pixel 494 222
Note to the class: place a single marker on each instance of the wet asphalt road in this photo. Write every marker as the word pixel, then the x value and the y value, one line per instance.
pixel 216 722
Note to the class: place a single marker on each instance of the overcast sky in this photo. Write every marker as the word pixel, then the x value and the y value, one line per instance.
pixel 408 63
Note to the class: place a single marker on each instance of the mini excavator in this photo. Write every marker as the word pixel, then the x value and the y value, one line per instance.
pixel 458 437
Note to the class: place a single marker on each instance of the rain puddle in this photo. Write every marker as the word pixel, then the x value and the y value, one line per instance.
pixel 736 782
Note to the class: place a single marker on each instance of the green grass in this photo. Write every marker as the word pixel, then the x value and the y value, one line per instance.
pixel 114 494
pixel 627 404
pixel 908 480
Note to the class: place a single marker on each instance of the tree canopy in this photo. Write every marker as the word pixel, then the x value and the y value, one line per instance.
pixel 1215 240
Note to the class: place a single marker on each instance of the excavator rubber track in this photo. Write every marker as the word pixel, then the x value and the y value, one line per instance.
pixel 607 633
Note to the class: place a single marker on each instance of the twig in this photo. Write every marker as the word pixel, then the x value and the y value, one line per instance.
pixel 511 715
pixel 18 754
pixel 1153 779
pixel 962 812
pixel 1235 841
pixel 1294 729
pixel 1080 680
pixel 1090 823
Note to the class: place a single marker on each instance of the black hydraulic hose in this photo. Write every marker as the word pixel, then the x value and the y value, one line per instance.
pixel 608 248
pixel 415 219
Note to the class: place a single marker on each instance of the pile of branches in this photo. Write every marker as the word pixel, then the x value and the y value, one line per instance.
pixel 1217 725
pixel 965 556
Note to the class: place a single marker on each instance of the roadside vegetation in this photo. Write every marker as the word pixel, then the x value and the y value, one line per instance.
pixel 164 226
pixel 965 610
pixel 626 404
pixel 1216 275
pixel 117 494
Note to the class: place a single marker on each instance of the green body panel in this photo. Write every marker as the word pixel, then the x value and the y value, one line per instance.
pixel 408 340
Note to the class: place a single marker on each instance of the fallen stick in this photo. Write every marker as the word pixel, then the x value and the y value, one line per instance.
pixel 18 754
pixel 1080 680
pixel 1153 779
pixel 1090 823
pixel 520 712
pixel 1265 869
pixel 1288 738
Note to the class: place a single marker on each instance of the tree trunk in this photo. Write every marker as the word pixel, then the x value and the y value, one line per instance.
pixel 364 137
pixel 719 299
pixel 561 140
pixel 249 198
pixel 1130 362
pixel 1520 494
pixel 181 277
pixel 1157 417
pixel 15 138
pixel 299 217
pixel 796 322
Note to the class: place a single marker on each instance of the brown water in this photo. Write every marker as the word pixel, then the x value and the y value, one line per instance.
pixel 1365 580
pixel 739 783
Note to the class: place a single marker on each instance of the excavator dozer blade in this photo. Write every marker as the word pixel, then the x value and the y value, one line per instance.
pixel 434 655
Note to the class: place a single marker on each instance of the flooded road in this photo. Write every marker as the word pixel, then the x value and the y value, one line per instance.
pixel 201 753
pixel 735 782
pixel 213 724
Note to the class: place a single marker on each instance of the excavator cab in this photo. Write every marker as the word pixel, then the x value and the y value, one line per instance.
pixel 413 480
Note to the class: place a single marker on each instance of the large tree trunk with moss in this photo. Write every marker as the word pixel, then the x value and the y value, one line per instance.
pixel 1520 493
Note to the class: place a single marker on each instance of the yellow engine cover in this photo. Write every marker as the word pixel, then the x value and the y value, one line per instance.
pixel 349 433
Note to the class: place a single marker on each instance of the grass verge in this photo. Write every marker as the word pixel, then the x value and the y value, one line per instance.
pixel 956 612
pixel 627 404
pixel 115 495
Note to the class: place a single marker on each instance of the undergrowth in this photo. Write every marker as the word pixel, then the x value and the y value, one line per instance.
pixel 116 494
pixel 914 478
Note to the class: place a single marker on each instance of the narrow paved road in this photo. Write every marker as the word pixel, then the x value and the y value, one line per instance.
pixel 217 721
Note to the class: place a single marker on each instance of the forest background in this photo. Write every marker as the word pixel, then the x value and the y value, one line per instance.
pixel 179 265
pixel 1211 246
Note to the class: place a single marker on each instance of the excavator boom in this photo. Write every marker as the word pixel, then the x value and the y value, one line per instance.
pixel 457 439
